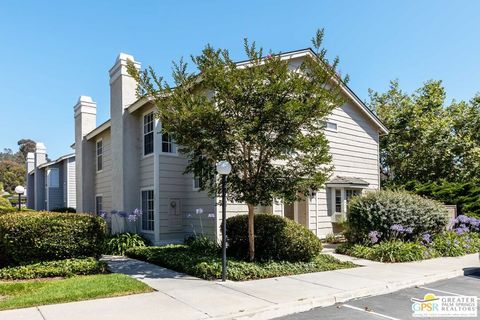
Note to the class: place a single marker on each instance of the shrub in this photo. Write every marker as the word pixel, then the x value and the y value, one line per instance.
pixel 203 245
pixel 381 210
pixel 119 243
pixel 466 195
pixel 183 259
pixel 452 244
pixel 6 206
pixel 42 236
pixel 64 210
pixel 276 238
pixel 463 224
pixel 57 268
pixel 389 251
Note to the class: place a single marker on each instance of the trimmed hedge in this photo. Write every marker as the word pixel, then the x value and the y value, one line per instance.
pixel 58 268
pixel 465 195
pixel 42 236
pixel 64 210
pixel 182 258
pixel 379 211
pixel 276 238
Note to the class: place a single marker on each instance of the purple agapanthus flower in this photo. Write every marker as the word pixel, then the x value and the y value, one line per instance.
pixel 132 218
pixel 426 238
pixel 199 211
pixel 408 230
pixel 374 236
pixel 397 227
pixel 211 215
pixel 463 219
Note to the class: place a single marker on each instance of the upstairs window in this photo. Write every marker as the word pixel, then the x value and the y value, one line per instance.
pixel 148 134
pixel 197 183
pixel 167 144
pixel 99 155
pixel 330 126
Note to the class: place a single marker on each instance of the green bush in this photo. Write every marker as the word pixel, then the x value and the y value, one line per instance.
pixel 42 236
pixel 466 195
pixel 276 238
pixel 389 251
pixel 64 210
pixel 203 245
pixel 183 259
pixel 451 244
pixel 57 268
pixel 119 243
pixel 6 206
pixel 380 210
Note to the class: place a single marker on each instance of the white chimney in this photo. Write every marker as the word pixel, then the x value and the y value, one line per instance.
pixel 123 126
pixel 85 121
pixel 39 184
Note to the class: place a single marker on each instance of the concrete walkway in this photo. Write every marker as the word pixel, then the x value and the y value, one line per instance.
pixel 180 296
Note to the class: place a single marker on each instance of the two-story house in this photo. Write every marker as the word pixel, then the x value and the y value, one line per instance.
pixel 127 163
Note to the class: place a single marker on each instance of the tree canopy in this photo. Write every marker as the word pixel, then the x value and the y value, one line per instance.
pixel 265 117
pixel 429 140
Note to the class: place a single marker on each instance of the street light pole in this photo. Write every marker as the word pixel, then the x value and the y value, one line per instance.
pixel 19 190
pixel 224 227
pixel 224 168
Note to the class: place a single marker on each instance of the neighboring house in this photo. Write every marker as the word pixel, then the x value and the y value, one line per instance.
pixel 50 184
pixel 127 163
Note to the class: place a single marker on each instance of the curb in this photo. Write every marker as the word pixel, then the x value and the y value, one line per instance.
pixel 311 303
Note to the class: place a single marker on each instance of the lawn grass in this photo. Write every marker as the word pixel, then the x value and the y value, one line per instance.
pixel 182 258
pixel 41 292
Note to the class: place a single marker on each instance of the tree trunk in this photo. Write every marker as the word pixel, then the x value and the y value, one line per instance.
pixel 251 232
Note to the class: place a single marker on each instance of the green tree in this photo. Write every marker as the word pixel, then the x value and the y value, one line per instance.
pixel 26 146
pixel 262 117
pixel 428 140
pixel 12 174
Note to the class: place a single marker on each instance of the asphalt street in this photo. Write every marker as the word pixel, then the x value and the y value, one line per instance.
pixel 396 305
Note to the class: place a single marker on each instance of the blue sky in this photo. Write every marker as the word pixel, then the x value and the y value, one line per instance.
pixel 53 51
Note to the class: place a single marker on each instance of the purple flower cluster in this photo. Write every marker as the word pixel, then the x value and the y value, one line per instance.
pixel 426 238
pixel 401 229
pixel 463 224
pixel 374 236
pixel 131 217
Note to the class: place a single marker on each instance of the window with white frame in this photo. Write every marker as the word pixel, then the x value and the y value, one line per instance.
pixel 98 204
pixel 148 124
pixel 197 183
pixel 338 200
pixel 53 178
pixel 167 143
pixel 99 153
pixel 147 210
pixel 330 126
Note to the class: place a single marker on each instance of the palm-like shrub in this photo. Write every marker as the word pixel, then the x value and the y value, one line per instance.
pixel 119 243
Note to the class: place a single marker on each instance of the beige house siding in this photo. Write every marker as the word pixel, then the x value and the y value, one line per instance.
pixel 103 179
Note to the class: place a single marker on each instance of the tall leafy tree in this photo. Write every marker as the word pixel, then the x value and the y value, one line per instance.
pixel 26 146
pixel 429 140
pixel 263 117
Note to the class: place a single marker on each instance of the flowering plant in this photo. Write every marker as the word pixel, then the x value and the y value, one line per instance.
pixel 112 219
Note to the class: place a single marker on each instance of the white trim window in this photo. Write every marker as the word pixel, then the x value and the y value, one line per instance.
pixel 148 125
pixel 330 126
pixel 148 210
pixel 98 203
pixel 338 200
pixel 197 183
pixel 99 155
pixel 53 176
pixel 167 143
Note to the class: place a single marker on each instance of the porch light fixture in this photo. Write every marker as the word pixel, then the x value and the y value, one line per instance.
pixel 19 190
pixel 224 168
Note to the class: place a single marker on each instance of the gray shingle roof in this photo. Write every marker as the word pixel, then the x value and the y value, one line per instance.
pixel 348 181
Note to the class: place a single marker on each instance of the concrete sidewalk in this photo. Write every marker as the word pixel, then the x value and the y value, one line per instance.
pixel 181 296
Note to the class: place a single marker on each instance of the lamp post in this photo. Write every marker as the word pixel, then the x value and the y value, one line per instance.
pixel 224 168
pixel 19 190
